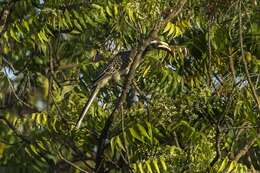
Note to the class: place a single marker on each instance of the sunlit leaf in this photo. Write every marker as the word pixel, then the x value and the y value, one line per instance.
pixel 156 166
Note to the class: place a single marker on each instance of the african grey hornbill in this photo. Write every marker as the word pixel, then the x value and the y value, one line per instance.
pixel 118 66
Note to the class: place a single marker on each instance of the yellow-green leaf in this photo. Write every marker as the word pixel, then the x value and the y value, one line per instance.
pixel 118 141
pixel 148 166
pixel 64 22
pixel 134 134
pixel 96 6
pixel 231 167
pixel 38 119
pixel 116 9
pixel 142 130
pixel 13 35
pixel 82 22
pixel 89 20
pixel 155 163
pixel 131 14
pixel 112 144
pixel 163 163
pixel 26 25
pixel 172 29
pixel 140 166
pixel 178 32
pixel 109 11
pixel 77 25
pixel 40 37
pixel 134 166
pixel 33 149
pixel 167 28
pixel 222 166
pixel 146 70
pixel 67 17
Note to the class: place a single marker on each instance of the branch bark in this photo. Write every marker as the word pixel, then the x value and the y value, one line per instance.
pixel 241 153
pixel 244 150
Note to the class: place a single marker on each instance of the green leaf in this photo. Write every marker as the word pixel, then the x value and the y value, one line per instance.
pixel 155 163
pixel 78 26
pixel 178 32
pixel 231 167
pixel 13 35
pixel 222 166
pixel 172 29
pixel 130 13
pixel 96 6
pixel 43 48
pixel 148 165
pixel 140 166
pixel 109 11
pixel 43 35
pixel 40 37
pixel 67 17
pixel 26 25
pixel 64 23
pixel 149 126
pixel 89 20
pixel 18 28
pixel 82 22
pixel 118 141
pixel 116 9
pixel 146 70
pixel 33 149
pixel 112 144
pixel 143 131
pixel 238 107
pixel 134 166
pixel 134 134
pixel 163 163
pixel 168 27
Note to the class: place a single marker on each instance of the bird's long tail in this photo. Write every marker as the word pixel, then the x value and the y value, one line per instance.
pixel 87 105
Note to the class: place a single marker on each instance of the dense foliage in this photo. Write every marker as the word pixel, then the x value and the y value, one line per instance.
pixel 195 108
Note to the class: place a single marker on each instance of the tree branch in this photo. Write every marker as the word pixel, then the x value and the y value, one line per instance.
pixel 244 150
pixel 241 153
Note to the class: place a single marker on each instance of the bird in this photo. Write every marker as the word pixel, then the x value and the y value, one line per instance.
pixel 117 67
pixel 114 69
